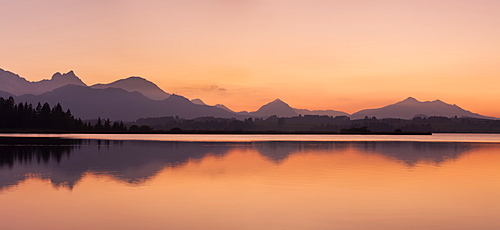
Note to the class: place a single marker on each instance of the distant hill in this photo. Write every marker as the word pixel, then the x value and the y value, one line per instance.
pixel 276 107
pixel 16 85
pixel 6 95
pixel 282 109
pixel 136 84
pixel 332 113
pixel 411 107
pixel 118 104
pixel 221 106
pixel 198 101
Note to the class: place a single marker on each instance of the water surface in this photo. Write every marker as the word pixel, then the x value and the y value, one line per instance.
pixel 437 137
pixel 48 183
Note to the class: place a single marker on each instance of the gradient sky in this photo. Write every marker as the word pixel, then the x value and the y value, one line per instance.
pixel 315 54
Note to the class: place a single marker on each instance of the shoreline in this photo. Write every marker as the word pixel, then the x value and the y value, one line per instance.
pixel 215 132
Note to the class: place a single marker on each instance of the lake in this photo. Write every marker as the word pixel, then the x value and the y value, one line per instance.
pixel 100 181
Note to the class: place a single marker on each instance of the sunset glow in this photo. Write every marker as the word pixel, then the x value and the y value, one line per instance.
pixel 341 55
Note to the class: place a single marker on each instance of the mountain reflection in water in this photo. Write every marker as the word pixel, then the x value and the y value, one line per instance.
pixel 60 184
pixel 65 161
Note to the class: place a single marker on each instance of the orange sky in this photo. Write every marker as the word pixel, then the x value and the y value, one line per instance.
pixel 316 54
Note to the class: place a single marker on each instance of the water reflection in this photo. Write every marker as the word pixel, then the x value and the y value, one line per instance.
pixel 412 153
pixel 65 161
pixel 42 150
pixel 91 184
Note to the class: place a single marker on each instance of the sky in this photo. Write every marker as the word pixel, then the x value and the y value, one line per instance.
pixel 312 54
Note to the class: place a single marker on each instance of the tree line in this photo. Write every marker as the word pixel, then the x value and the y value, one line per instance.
pixel 323 124
pixel 24 116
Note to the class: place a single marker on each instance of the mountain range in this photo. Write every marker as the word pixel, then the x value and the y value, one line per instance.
pixel 16 85
pixel 411 107
pixel 119 104
pixel 135 97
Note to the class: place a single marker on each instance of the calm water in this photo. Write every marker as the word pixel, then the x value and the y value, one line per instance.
pixel 492 138
pixel 250 182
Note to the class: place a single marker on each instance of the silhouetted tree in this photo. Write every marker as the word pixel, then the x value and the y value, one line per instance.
pixel 23 116
pixel 99 125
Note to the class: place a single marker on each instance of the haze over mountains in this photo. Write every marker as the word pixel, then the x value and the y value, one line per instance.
pixel 135 97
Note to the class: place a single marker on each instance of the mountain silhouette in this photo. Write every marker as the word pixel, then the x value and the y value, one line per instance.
pixel 118 104
pixel 126 99
pixel 198 101
pixel 6 95
pixel 276 107
pixel 410 107
pixel 139 84
pixel 221 106
pixel 135 97
pixel 16 85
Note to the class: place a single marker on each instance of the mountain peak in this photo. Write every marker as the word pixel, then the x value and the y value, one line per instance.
pixel 198 101
pixel 276 107
pixel 410 99
pixel 69 74
pixel 14 84
pixel 139 84
pixel 135 78
pixel 176 97
pixel 221 106
pixel 8 74
pixel 67 78
pixel 278 102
